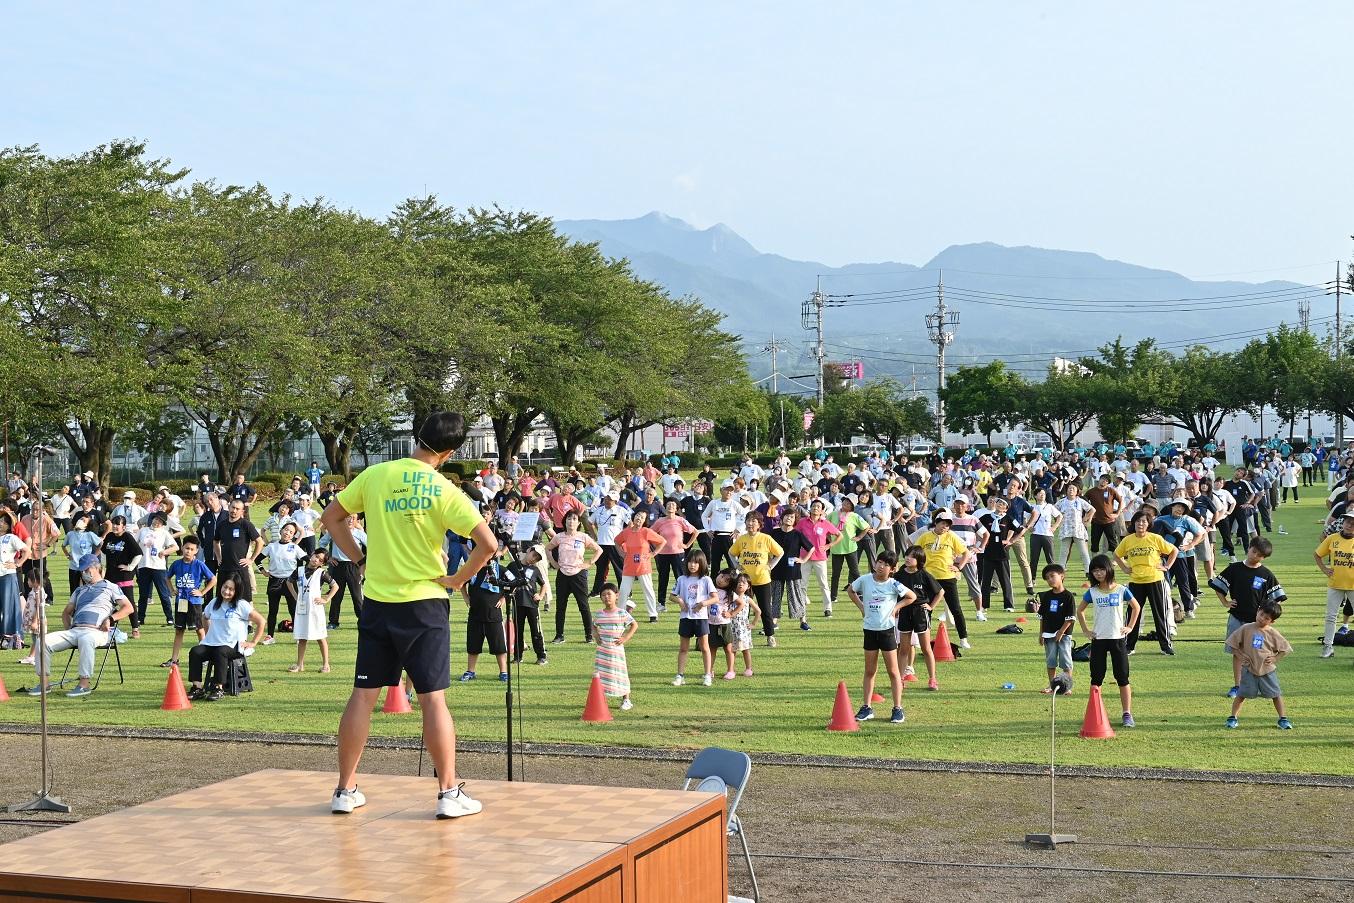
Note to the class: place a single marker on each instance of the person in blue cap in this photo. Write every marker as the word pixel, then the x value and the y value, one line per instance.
pixel 89 616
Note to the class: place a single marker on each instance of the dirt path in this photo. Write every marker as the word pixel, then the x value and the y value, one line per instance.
pixel 959 833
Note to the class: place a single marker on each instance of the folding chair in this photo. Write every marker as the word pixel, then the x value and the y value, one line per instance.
pixel 110 646
pixel 723 770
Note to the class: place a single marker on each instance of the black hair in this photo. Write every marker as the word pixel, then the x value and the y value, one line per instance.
pixel 1271 608
pixel 189 540
pixel 886 557
pixel 609 586
pixel 236 584
pixel 1101 562
pixel 702 563
pixel 441 432
pixel 1053 569
pixel 918 553
pixel 1263 546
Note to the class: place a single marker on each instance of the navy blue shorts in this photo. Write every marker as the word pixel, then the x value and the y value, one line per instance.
pixel 693 627
pixel 413 637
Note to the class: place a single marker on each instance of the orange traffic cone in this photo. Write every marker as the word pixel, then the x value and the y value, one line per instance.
pixel 1096 726
pixel 396 702
pixel 596 710
pixel 1021 621
pixel 510 634
pixel 941 645
pixel 876 697
pixel 175 697
pixel 843 719
pixel 908 677
pixel 4 694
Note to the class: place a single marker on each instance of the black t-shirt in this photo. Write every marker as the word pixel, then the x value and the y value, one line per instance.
pixel 235 537
pixel 96 519
pixel 1055 610
pixel 242 492
pixel 852 483
pixel 119 552
pixel 795 545
pixel 923 584
pixel 1249 587
pixel 208 525
pixel 999 528
pixel 693 509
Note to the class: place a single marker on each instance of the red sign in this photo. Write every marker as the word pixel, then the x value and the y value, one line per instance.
pixel 680 431
pixel 808 420
pixel 849 369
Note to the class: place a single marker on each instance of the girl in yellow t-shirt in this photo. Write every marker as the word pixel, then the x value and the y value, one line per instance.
pixel 1147 556
pixel 756 554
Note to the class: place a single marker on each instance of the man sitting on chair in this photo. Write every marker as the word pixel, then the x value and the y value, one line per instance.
pixel 88 617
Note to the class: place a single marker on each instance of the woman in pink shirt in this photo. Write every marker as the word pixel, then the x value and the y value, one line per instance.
pixel 678 536
pixel 822 534
pixel 568 552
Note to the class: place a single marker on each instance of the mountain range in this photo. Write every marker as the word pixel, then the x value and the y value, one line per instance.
pixel 1024 304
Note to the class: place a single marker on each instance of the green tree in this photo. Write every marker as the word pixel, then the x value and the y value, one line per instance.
pixel 83 261
pixel 1062 405
pixel 980 399
pixel 157 436
pixel 1200 389
pixel 786 429
pixel 1289 363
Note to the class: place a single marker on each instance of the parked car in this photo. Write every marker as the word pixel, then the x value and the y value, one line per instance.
pixel 921 449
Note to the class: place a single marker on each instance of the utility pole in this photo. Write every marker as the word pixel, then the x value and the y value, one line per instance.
pixel 811 318
pixel 774 348
pixel 1337 287
pixel 939 329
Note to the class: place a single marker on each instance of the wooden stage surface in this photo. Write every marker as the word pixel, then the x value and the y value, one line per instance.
pixel 269 836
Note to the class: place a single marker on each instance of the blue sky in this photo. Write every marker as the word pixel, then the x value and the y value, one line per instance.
pixel 1203 137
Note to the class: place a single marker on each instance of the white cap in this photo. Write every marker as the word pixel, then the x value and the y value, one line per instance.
pixel 943 514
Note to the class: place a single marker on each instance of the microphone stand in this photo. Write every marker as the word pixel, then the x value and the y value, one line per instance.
pixel 44 801
pixel 517 569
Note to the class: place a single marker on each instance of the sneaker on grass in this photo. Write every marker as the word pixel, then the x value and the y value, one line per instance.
pixel 78 692
pixel 865 713
pixel 1128 720
pixel 678 680
pixel 1231 722
pixel 1234 693
pixel 1285 724
pixel 897 717
pixel 345 801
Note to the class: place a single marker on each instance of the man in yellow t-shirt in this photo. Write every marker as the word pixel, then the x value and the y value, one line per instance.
pixel 1339 549
pixel 1147 557
pixel 946 556
pixel 404 625
pixel 756 554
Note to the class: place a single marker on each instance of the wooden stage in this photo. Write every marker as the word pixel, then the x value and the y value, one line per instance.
pixel 269 836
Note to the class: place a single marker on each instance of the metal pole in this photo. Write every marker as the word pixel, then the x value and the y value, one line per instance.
pixel 819 354
pixel 1339 355
pixel 44 801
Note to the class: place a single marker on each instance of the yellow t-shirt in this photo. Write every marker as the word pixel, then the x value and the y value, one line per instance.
pixel 409 508
pixel 981 482
pixel 1144 555
pixel 942 550
pixel 754 552
pixel 1341 552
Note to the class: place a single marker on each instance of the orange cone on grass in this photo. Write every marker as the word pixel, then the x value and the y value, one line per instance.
pixel 596 710
pixel 4 694
pixel 1096 725
pixel 876 697
pixel 396 702
pixel 941 645
pixel 843 718
pixel 510 635
pixel 175 697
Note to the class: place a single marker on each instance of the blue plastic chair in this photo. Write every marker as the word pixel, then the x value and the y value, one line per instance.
pixel 732 769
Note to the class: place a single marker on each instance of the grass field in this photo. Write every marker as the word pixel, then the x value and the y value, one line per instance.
pixel 1178 702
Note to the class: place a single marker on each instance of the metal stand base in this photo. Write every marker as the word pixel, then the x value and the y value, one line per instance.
pixel 1049 841
pixel 44 802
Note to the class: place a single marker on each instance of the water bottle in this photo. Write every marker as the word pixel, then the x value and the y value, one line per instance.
pixel 1008 686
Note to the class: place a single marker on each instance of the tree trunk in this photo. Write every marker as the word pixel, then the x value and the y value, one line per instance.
pixel 509 431
pixel 624 427
pixel 93 446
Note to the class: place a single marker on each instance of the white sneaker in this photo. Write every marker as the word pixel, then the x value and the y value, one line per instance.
pixel 456 802
pixel 678 680
pixel 1327 651
pixel 626 705
pixel 345 801
pixel 268 641
pixel 963 644
pixel 708 680
pixel 982 615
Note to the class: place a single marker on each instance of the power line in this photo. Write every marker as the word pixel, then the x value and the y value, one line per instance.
pixel 1162 275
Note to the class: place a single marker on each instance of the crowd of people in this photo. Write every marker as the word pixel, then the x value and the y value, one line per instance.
pixel 729 552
